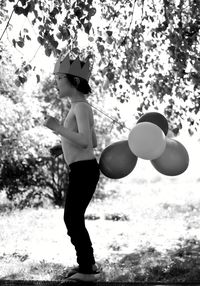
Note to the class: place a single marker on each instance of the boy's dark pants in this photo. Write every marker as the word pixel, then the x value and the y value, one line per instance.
pixel 83 178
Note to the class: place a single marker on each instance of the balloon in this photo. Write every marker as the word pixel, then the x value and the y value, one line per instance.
pixel 174 160
pixel 147 141
pixel 155 118
pixel 117 160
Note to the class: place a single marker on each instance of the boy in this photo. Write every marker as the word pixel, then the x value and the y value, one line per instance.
pixel 78 139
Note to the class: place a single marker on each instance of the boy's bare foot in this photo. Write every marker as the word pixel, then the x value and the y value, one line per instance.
pixel 84 277
pixel 95 268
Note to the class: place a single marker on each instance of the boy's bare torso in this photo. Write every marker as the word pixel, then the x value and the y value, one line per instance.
pixel 73 152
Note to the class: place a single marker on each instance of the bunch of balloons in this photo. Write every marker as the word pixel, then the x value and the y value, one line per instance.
pixel 147 140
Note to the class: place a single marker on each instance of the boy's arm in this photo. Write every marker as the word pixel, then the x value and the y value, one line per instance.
pixel 94 138
pixel 81 137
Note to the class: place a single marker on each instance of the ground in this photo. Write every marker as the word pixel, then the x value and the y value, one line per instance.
pixel 148 229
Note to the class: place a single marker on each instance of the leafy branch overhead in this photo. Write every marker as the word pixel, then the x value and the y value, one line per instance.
pixel 76 17
pixel 148 49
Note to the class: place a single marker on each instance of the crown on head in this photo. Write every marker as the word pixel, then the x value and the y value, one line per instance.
pixel 74 68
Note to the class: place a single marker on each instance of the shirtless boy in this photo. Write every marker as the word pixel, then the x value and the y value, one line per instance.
pixel 78 139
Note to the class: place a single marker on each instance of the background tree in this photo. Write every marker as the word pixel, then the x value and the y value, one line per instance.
pixel 146 49
pixel 28 173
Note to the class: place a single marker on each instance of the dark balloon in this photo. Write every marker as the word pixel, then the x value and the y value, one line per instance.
pixel 117 160
pixel 156 118
pixel 174 160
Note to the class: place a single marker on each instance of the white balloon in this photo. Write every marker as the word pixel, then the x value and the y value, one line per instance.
pixel 147 141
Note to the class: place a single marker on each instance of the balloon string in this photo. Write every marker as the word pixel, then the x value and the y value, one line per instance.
pixel 114 120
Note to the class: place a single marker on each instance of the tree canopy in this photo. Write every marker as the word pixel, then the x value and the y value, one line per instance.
pixel 146 49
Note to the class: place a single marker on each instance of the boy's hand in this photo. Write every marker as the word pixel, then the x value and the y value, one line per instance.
pixel 52 123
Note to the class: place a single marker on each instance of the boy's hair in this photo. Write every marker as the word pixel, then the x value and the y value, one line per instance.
pixel 83 85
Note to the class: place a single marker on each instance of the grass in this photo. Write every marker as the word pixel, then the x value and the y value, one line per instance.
pixel 147 230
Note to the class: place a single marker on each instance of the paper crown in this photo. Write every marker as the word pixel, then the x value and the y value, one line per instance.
pixel 74 68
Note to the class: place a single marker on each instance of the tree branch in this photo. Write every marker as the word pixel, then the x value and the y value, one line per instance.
pixel 166 4
pixel 8 22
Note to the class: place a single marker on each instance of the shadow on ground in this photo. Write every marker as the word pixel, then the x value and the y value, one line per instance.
pixel 181 264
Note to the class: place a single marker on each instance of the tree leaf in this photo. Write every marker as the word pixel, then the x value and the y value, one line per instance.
pixel 38 78
pixel 58 52
pixel 14 43
pixel 54 12
pixel 23 2
pixel 87 27
pixel 91 39
pixel 17 83
pixel 55 44
pixel 22 79
pixel 41 27
pixel 20 44
pixel 35 13
pixel 109 33
pixel 34 21
pixel 100 48
pixel 53 20
pixel 41 40
pixel 31 6
pixel 92 12
pixel 110 76
pixel 78 12
pixel 59 36
pixel 48 52
pixel 68 21
pixel 17 71
pixel 26 11
pixel 66 34
pixel 27 68
pixel 76 50
pixel 18 10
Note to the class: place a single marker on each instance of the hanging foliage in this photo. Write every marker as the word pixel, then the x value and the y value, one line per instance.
pixel 148 49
